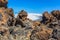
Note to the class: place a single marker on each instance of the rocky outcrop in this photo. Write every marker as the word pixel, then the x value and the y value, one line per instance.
pixel 3 3
pixel 10 12
pixel 6 16
pixel 11 18
pixel 43 33
pixel 4 31
pixel 56 13
pixel 49 27
pixel 22 16
pixel 47 18
pixel 3 16
pixel 22 28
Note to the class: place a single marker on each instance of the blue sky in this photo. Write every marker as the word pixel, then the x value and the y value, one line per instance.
pixel 34 6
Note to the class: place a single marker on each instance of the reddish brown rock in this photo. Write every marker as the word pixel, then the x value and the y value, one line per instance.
pixel 3 16
pixel 47 18
pixel 56 13
pixel 22 16
pixel 4 31
pixel 36 23
pixel 7 17
pixel 11 18
pixel 42 34
pixel 3 3
pixel 10 12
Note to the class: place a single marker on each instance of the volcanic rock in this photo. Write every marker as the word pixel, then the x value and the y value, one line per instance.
pixel 22 28
pixel 3 16
pixel 3 3
pixel 41 34
pixel 11 18
pixel 56 13
pixel 22 16
pixel 6 17
pixel 47 18
pixel 10 12
pixel 4 31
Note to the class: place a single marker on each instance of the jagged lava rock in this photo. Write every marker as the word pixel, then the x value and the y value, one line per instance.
pixel 3 16
pixel 47 18
pixel 11 20
pixel 42 33
pixel 22 15
pixel 22 18
pixel 3 3
pixel 6 16
pixel 56 13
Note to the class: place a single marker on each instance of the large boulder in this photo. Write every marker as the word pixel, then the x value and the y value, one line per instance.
pixel 36 24
pixel 21 33
pixel 6 17
pixel 47 18
pixel 56 34
pixel 4 31
pixel 56 13
pixel 11 20
pixel 10 12
pixel 42 33
pixel 22 16
pixel 3 16
pixel 3 3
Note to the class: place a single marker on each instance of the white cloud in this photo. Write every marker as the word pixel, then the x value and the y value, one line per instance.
pixel 16 15
pixel 33 16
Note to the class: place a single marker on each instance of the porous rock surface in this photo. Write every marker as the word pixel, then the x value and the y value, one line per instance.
pixel 23 28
